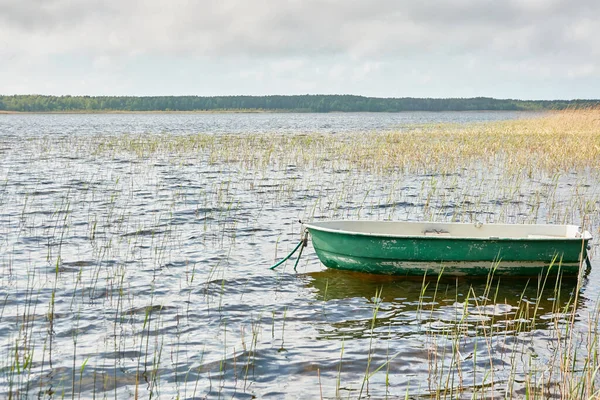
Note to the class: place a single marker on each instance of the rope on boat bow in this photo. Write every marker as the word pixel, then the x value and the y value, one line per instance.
pixel 301 246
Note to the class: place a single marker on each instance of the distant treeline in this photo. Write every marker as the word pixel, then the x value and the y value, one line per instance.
pixel 304 103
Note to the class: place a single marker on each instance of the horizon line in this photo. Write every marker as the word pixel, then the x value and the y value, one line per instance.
pixel 299 95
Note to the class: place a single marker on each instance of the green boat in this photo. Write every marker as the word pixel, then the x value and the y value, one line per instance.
pixel 453 249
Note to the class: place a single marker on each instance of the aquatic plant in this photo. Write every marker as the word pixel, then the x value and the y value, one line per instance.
pixel 136 265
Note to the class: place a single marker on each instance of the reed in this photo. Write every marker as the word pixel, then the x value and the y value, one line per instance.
pixel 120 260
pixel 558 141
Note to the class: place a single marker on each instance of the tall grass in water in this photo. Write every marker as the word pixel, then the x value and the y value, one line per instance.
pixel 559 141
pixel 125 281
pixel 542 346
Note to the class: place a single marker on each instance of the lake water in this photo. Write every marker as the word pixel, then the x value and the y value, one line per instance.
pixel 81 124
pixel 125 275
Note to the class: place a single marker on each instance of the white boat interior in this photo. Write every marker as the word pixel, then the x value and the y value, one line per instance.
pixel 451 229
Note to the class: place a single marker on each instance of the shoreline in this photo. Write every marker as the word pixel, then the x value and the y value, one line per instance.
pixel 146 112
pixel 83 112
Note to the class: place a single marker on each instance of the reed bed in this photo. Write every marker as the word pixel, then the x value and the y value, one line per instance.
pixel 560 141
pixel 135 266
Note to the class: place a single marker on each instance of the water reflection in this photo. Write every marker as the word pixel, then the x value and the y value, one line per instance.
pixel 455 337
pixel 501 305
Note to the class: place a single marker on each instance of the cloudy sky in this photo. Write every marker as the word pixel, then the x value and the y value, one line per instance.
pixel 527 49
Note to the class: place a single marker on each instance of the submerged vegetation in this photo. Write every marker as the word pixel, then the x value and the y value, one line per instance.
pixel 136 265
pixel 302 103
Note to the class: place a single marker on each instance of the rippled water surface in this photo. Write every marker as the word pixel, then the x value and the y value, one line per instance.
pixel 181 123
pixel 124 275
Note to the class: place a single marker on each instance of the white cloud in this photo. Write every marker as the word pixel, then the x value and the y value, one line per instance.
pixel 317 42
pixel 583 71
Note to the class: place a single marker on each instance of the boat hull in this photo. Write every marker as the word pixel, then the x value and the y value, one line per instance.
pixel 457 256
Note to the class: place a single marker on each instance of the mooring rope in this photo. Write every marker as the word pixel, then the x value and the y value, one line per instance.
pixel 302 244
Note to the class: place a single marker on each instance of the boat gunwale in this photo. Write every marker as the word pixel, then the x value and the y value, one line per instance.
pixel 584 235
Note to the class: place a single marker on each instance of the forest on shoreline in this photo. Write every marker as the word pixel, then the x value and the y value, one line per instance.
pixel 275 103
